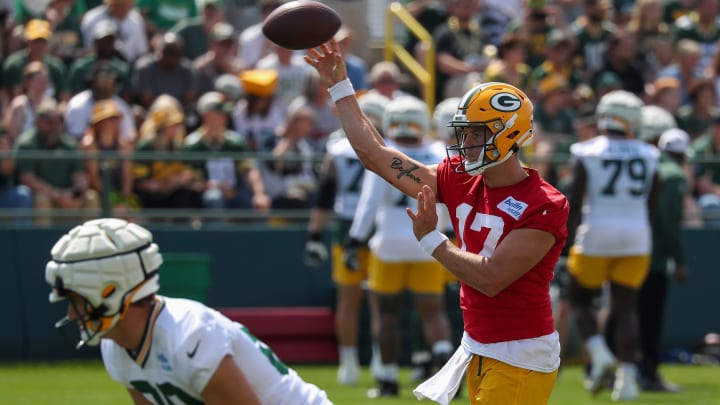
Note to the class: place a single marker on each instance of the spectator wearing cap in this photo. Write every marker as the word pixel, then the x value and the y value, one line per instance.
pixel 260 112
pixel 227 182
pixel 103 135
pixel 64 17
pixel 384 79
pixel 161 15
pixel 288 176
pixel 104 49
pixel 707 171
pixel 20 115
pixel 592 30
pixel 667 258
pixel 166 183
pixel 253 44
pixel 195 31
pixel 558 61
pixel 230 86
pixel 292 73
pixel 606 82
pixel 131 36
pixel 221 58
pixel 665 93
pixel 54 183
pixel 165 71
pixel 701 25
pixel 101 85
pixel 37 34
pixel 316 97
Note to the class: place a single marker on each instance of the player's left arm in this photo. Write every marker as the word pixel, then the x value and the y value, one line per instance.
pixel 228 386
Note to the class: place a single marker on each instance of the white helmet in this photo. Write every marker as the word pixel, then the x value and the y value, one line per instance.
pixel 655 121
pixel 444 113
pixel 109 262
pixel 620 110
pixel 373 105
pixel 406 116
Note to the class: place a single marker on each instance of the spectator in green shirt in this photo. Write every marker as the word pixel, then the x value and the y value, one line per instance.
pixel 37 34
pixel 229 182
pixel 60 183
pixel 195 31
pixel 161 15
pixel 667 256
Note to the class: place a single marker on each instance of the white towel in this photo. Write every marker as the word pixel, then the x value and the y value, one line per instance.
pixel 442 387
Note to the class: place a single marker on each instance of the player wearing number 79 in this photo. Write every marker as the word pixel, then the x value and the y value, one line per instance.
pixel 612 196
pixel 163 350
pixel 511 226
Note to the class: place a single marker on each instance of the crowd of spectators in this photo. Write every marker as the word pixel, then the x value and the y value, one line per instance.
pixel 156 75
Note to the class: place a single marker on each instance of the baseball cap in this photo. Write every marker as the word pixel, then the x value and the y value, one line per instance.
pixel 37 29
pixel 105 109
pixel 674 140
pixel 222 31
pixel 259 82
pixel 105 28
pixel 229 85
pixel 212 101
pixel 48 106
pixel 557 36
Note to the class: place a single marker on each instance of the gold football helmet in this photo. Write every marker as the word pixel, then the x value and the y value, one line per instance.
pixel 492 122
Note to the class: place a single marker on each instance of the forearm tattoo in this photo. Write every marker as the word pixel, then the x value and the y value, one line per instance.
pixel 397 164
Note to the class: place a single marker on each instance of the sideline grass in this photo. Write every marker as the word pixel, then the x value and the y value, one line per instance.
pixel 81 383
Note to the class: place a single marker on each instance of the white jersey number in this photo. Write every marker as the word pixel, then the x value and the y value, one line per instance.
pixel 489 226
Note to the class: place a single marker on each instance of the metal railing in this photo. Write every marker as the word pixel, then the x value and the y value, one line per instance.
pixel 424 74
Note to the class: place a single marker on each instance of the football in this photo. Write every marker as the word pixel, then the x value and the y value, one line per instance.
pixel 301 24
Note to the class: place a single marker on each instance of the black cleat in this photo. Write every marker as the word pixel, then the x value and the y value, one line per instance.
pixel 384 389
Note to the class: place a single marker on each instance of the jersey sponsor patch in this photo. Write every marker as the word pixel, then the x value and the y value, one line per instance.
pixel 512 207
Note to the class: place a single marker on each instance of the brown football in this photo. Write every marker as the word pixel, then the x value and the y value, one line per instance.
pixel 301 24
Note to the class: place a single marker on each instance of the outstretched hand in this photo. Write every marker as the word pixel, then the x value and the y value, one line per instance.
pixel 425 220
pixel 328 62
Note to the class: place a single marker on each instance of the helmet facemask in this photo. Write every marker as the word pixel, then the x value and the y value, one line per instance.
pixel 492 122
pixel 480 155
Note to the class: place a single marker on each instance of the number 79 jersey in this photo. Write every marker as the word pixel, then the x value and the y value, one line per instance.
pixel 619 177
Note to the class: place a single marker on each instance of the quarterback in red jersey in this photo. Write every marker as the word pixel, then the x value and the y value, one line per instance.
pixel 510 224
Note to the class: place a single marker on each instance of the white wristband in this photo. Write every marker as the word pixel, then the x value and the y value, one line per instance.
pixel 341 90
pixel 432 241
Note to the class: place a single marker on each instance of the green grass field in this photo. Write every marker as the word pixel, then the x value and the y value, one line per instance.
pixel 83 383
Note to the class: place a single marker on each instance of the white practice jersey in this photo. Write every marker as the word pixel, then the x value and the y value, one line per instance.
pixel 184 344
pixel 383 206
pixel 619 178
pixel 349 172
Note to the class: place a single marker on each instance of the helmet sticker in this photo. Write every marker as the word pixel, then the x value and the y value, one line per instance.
pixel 505 102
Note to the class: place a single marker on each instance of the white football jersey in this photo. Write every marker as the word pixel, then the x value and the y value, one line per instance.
pixel 383 206
pixel 349 172
pixel 183 346
pixel 619 178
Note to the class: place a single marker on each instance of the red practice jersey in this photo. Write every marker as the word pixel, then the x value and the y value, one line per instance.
pixel 482 217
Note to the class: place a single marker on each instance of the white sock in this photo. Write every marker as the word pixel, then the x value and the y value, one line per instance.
pixel 597 347
pixel 348 355
pixel 388 372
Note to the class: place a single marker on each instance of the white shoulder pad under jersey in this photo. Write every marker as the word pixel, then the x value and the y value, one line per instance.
pixel 184 345
pixel 619 176
pixel 349 172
